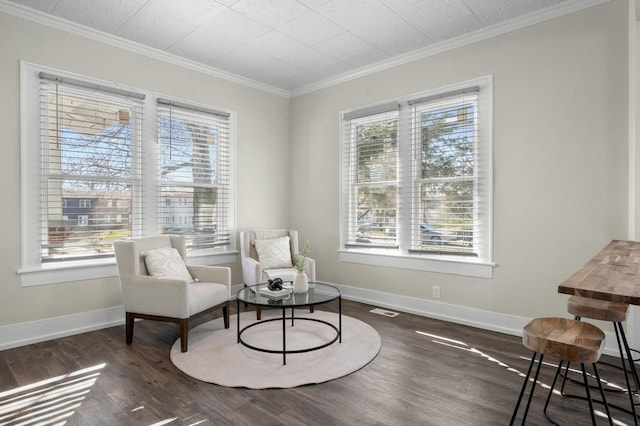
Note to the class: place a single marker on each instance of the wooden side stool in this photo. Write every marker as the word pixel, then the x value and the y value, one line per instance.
pixel 566 340
pixel 615 312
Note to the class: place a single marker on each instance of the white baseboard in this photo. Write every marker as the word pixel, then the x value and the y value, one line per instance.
pixel 14 335
pixel 21 334
pixel 486 320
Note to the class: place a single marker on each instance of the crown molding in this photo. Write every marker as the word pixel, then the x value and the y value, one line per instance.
pixel 461 41
pixel 547 14
pixel 42 18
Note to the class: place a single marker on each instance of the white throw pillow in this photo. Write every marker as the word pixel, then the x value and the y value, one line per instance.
pixel 274 253
pixel 166 262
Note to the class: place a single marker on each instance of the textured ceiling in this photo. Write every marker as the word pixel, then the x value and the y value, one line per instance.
pixel 292 44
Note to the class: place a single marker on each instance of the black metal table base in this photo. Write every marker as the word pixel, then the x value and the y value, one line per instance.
pixel 284 319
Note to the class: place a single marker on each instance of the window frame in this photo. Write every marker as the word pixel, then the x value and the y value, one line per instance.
pixel 171 112
pixel 402 256
pixel 35 272
pixel 354 183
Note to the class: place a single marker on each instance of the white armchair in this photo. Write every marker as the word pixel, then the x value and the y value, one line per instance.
pixel 166 296
pixel 253 271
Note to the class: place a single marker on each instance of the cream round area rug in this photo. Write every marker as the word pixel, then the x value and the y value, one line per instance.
pixel 214 355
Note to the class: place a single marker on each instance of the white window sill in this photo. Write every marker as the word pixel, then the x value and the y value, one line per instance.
pixel 435 263
pixel 63 272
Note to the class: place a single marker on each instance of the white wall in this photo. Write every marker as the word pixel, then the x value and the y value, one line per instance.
pixel 263 140
pixel 560 159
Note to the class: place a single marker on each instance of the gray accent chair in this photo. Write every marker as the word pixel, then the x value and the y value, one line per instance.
pixel 165 299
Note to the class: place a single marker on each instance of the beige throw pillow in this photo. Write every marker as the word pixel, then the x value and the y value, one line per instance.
pixel 166 262
pixel 274 253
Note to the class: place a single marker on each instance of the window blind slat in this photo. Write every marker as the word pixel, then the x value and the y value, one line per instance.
pixel 92 86
pixel 189 107
pixel 445 95
pixel 371 111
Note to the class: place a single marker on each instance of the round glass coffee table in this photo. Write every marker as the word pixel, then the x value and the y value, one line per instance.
pixel 317 294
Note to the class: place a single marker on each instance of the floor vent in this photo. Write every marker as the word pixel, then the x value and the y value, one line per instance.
pixel 386 313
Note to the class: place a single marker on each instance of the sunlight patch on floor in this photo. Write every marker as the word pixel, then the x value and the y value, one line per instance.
pixel 164 422
pixel 47 402
pixel 384 312
pixel 171 420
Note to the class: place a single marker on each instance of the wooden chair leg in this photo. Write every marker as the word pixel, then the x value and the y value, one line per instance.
pixel 258 313
pixel 129 328
pixel 311 308
pixel 225 314
pixel 184 333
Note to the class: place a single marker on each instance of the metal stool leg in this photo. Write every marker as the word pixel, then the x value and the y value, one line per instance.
pixel 632 365
pixel 564 380
pixel 553 386
pixel 630 392
pixel 604 398
pixel 524 387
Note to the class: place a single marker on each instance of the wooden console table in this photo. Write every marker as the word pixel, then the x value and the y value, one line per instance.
pixel 613 274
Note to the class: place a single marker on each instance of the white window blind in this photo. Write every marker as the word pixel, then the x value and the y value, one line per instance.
pixel 90 167
pixel 371 176
pixel 194 185
pixel 445 201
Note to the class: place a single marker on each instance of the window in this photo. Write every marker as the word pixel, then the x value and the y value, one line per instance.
pixel 416 179
pixel 373 178
pixel 105 173
pixel 90 144
pixel 194 168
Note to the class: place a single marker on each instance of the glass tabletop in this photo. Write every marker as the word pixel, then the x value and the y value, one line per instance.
pixel 318 293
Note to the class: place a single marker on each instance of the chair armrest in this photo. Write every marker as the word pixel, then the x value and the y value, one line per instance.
pixel 251 271
pixel 155 296
pixel 310 268
pixel 211 274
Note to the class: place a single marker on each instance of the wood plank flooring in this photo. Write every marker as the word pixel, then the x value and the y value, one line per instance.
pixel 428 372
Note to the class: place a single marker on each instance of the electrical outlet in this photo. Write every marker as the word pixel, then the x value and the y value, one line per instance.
pixel 436 291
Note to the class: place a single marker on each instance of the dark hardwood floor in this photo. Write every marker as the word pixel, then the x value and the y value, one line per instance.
pixel 428 372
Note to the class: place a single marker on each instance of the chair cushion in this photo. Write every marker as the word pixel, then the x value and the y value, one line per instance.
pixel 285 274
pixel 166 262
pixel 274 253
pixel 203 296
